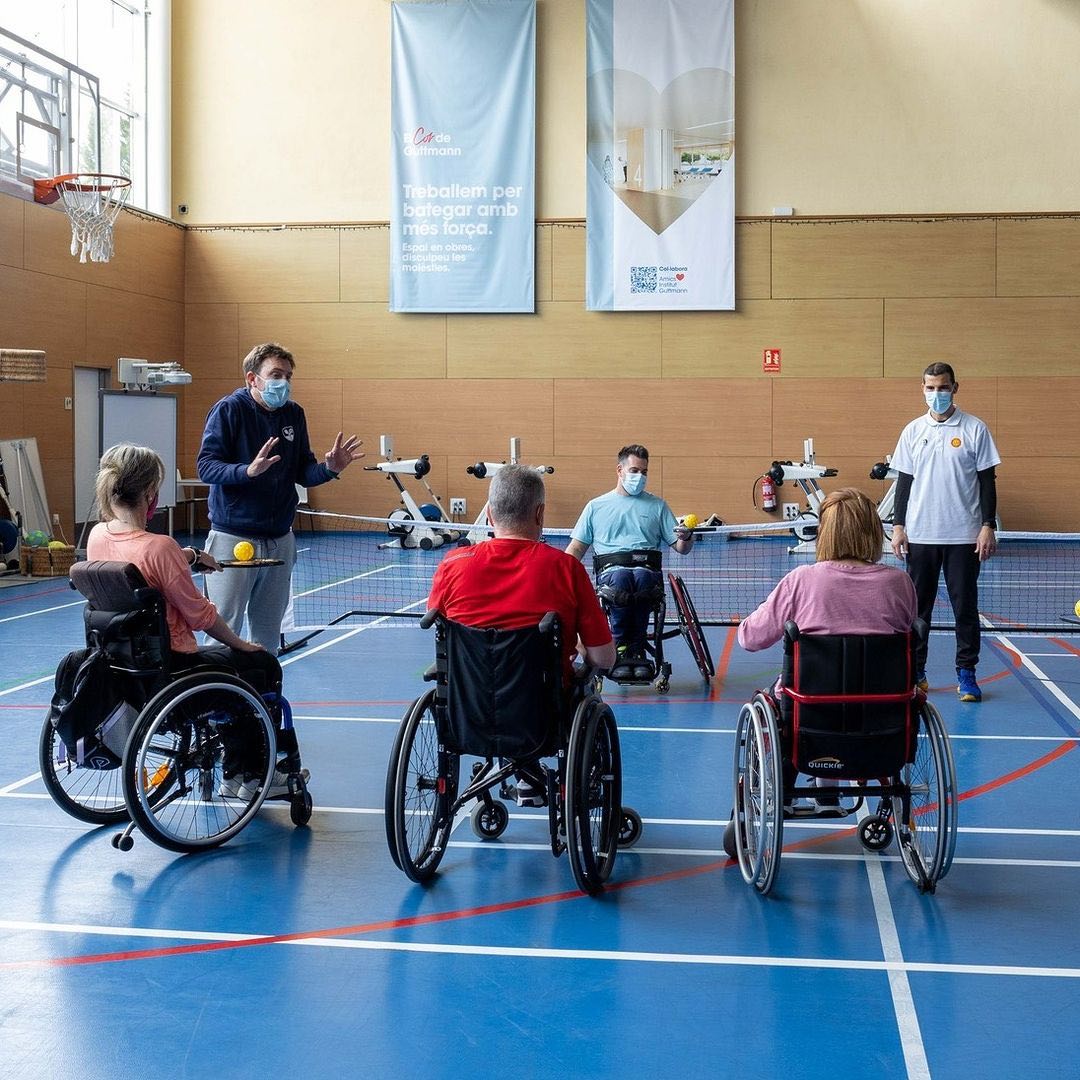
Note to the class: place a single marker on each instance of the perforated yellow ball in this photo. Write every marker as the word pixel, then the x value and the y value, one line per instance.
pixel 1076 608
pixel 243 551
pixel 690 521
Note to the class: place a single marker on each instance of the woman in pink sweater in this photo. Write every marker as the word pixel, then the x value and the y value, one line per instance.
pixel 847 591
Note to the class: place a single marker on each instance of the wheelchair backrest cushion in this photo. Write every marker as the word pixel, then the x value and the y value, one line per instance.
pixel 500 691
pixel 110 586
pixel 850 740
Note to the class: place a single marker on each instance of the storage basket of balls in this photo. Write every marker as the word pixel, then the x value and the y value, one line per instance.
pixel 42 557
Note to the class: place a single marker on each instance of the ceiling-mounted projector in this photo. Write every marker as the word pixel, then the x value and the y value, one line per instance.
pixel 135 373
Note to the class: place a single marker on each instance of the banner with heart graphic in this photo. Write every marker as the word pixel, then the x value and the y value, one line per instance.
pixel 660 146
pixel 462 111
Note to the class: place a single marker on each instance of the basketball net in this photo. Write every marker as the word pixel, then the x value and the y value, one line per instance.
pixel 92 202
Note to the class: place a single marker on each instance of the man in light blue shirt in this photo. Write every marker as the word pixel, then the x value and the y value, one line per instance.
pixel 626 529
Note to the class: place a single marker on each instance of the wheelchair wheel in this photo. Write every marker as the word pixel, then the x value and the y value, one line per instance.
pixel 759 794
pixel 174 783
pixel 489 822
pixel 425 788
pixel 629 827
pixel 927 837
pixel 92 795
pixel 690 627
pixel 593 794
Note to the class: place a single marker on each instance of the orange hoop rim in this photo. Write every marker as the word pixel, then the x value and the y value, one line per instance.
pixel 48 190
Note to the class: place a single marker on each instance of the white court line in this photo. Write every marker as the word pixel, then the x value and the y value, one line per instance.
pixel 27 685
pixel 43 611
pixel 1037 672
pixel 907 1019
pixel 603 955
pixel 19 783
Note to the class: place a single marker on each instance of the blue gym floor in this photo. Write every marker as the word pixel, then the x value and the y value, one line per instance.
pixel 306 952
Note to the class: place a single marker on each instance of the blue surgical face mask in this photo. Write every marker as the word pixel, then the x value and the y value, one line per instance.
pixel 938 401
pixel 633 483
pixel 275 392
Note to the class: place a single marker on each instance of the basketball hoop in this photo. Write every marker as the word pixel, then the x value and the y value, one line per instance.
pixel 92 201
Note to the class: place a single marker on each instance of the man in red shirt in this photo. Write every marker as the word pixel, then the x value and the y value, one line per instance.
pixel 515 579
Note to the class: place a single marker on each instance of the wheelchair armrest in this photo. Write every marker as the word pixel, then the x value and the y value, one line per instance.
pixel 920 629
pixel 429 619
pixel 432 673
pixel 548 622
pixel 791 631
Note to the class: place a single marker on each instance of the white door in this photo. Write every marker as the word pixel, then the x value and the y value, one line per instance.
pixel 87 435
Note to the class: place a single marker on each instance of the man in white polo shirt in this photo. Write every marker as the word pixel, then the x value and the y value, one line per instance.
pixel 946 509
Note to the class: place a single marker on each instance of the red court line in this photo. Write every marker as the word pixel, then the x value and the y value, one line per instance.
pixel 724 664
pixel 1065 645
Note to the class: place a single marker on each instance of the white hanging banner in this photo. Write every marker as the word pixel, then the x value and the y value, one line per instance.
pixel 660 170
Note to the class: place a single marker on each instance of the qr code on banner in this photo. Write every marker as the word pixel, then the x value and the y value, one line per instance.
pixel 642 279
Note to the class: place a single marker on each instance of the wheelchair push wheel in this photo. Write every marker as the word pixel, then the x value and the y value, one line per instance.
pixel 423 792
pixel 175 763
pixel 593 795
pixel 927 839
pixel 690 627
pixel 94 795
pixel 759 794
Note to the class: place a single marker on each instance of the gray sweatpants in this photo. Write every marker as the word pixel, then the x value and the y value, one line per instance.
pixel 262 593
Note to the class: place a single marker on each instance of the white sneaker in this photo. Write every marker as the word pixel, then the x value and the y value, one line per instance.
pixel 230 787
pixel 279 784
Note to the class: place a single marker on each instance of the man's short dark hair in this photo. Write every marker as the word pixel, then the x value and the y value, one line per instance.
pixel 939 367
pixel 633 450
pixel 515 493
pixel 270 351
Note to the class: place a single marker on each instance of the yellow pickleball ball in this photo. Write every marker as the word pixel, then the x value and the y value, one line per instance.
pixel 243 551
pixel 1076 608
pixel 690 521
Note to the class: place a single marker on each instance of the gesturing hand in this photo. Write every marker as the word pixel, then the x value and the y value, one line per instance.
pixel 263 460
pixel 343 454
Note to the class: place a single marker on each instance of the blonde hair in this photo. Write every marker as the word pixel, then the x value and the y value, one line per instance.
pixel 849 528
pixel 125 475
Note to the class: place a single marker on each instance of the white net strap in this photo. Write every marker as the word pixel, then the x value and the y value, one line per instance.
pixel 93 204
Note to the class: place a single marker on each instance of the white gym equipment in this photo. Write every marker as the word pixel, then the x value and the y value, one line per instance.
pixel 484 469
pixel 427 533
pixel 806 475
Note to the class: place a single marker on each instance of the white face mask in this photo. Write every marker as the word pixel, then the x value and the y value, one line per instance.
pixel 938 401
pixel 633 483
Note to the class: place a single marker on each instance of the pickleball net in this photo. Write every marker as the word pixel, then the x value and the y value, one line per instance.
pixel 353 567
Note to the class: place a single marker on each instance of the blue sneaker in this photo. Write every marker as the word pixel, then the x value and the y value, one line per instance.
pixel 967 687
pixel 921 681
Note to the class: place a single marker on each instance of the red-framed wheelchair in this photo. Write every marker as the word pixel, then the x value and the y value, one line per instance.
pixel 849 711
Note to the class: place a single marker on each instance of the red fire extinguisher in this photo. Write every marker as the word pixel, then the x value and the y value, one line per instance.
pixel 768 493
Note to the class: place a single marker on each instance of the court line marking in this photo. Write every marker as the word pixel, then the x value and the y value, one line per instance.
pixel 27 685
pixel 210 939
pixel 43 611
pixel 19 783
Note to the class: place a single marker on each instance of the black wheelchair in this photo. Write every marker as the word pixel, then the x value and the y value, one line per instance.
pixel 498 696
pixel 653 667
pixel 186 754
pixel 849 709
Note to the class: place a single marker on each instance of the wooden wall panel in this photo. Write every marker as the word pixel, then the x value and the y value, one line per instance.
pixel 199 397
pixel 350 340
pixel 753 260
pixel 543 290
pixel 816 337
pixel 125 324
pixel 365 264
pixel 212 340
pixel 48 249
pixel 160 259
pixel 670 417
pixel 983 337
pixel 441 416
pixel 41 312
pixel 1038 257
pixel 11 230
pixel 262 266
pixel 560 340
pixel 568 263
pixel 1031 496
pixel 1022 428
pixel 883 258
pixel 323 404
pixel 706 485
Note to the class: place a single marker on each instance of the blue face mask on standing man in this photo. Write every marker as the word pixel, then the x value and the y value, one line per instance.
pixel 633 483
pixel 938 401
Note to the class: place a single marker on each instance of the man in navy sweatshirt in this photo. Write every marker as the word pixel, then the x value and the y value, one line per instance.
pixel 254 452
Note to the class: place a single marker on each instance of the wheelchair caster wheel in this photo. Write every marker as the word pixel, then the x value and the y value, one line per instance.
pixel 662 685
pixel 730 844
pixel 300 808
pixel 122 842
pixel 629 827
pixel 489 822
pixel 875 834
